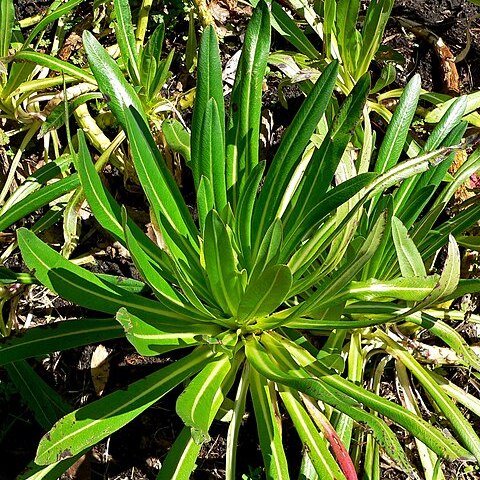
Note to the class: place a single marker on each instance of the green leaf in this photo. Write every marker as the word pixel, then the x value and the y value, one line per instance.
pixel 150 338
pixel 54 64
pixel 243 137
pixel 398 128
pixel 18 82
pixel 460 424
pixel 205 201
pixel 58 116
pixel 126 38
pixel 455 226
pixel 473 103
pixel 321 168
pixel 290 150
pixel 200 401
pixel 316 388
pixel 162 75
pixel 333 199
pixel 452 118
pixel 244 213
pixel 107 211
pixel 7 21
pixel 37 200
pixel 409 258
pixel 409 289
pixel 167 295
pixel 209 86
pixel 269 250
pixel 376 20
pixel 180 461
pixel 33 182
pixel 388 74
pixel 325 380
pixel 449 277
pixel 221 264
pixel 119 93
pixel 211 163
pixel 236 421
pixel 177 137
pixel 265 293
pixel 83 287
pixel 165 198
pixel 450 336
pixel 346 31
pixel 45 403
pixel 58 336
pixel 471 241
pixel 60 11
pixel 50 472
pixel 326 292
pixel 269 432
pixel 90 424
pixel 323 461
pixel 289 30
pixel 150 57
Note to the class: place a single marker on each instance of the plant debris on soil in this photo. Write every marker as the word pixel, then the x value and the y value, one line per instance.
pixel 136 452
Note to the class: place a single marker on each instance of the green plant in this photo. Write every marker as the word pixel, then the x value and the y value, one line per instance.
pixel 141 60
pixel 335 23
pixel 275 286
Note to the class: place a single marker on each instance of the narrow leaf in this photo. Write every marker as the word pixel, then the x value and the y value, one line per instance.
pixel 119 93
pixel 265 293
pixel 409 258
pixel 199 402
pixel 44 402
pixel 243 138
pixel 209 86
pixel 126 38
pixel 269 432
pixel 181 459
pixel 83 287
pixel 54 64
pixel 290 150
pixel 151 338
pixel 90 424
pixel 7 20
pixel 58 336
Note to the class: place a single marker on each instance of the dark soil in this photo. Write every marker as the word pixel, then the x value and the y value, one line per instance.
pixel 447 19
pixel 137 451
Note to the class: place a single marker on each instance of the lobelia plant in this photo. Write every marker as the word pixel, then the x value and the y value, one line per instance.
pixel 291 280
